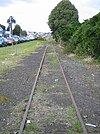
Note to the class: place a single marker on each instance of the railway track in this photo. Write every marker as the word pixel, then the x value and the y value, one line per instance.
pixel 50 50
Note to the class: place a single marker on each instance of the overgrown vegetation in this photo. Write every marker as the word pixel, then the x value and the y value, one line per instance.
pixel 61 16
pixel 87 38
pixel 3 99
pixel 81 39
pixel 32 128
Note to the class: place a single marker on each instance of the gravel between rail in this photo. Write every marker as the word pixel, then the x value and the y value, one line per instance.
pixel 52 110
pixel 17 83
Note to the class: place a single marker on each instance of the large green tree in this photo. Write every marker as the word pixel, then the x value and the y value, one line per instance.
pixel 63 14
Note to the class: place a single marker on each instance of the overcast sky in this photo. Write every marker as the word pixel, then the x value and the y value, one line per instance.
pixel 32 15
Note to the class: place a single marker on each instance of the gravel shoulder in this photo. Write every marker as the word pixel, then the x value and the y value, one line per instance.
pixel 84 81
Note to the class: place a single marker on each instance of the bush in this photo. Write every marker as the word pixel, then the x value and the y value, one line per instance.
pixel 68 31
pixel 87 38
pixel 68 48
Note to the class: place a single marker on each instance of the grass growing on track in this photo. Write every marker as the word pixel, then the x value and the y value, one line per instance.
pixel 32 128
pixel 53 60
pixel 11 55
pixel 3 99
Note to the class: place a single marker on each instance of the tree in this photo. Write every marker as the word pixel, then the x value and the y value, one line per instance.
pixel 17 30
pixel 8 28
pixel 63 14
pixel 68 31
pixel 2 26
pixel 24 33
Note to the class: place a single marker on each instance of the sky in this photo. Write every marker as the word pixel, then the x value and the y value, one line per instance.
pixel 32 15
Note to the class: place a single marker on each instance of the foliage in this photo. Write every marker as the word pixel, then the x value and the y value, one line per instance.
pixel 63 14
pixel 68 48
pixel 82 39
pixel 2 26
pixel 78 127
pixel 32 128
pixel 87 38
pixel 17 30
pixel 3 99
pixel 24 33
pixel 68 31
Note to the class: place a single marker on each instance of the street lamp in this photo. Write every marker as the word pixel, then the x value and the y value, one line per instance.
pixel 10 21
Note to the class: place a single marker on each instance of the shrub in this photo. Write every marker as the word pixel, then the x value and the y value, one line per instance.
pixel 68 31
pixel 68 48
pixel 87 38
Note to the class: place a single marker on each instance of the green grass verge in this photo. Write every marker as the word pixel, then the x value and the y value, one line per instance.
pixel 11 55
pixel 4 133
pixel 84 59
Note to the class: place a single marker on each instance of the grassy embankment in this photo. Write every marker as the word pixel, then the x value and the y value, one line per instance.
pixel 84 59
pixel 11 55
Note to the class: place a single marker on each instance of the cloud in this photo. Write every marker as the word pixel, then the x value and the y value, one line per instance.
pixel 5 2
pixel 8 2
pixel 33 14
pixel 30 16
pixel 94 3
pixel 27 0
pixel 86 8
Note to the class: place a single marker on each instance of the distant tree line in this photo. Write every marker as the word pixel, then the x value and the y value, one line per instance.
pixel 18 31
pixel 82 39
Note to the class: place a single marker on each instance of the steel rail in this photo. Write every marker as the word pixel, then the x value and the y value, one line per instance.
pixel 73 100
pixel 22 125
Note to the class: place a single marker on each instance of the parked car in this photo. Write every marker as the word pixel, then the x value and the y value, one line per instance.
pixel 3 42
pixel 17 38
pixel 10 41
pixel 22 40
